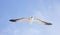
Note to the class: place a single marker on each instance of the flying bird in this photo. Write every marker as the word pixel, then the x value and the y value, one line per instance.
pixel 30 19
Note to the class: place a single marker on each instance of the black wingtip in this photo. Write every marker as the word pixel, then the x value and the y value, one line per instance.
pixel 48 23
pixel 12 20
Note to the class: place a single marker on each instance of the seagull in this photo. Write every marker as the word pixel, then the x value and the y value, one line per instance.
pixel 30 19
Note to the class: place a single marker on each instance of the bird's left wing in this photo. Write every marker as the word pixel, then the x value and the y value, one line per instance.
pixel 41 21
pixel 18 20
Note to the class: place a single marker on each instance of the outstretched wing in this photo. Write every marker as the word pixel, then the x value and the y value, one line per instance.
pixel 41 21
pixel 18 20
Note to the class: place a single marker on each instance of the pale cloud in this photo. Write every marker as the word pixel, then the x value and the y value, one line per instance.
pixel 32 31
pixel 10 30
pixel 13 30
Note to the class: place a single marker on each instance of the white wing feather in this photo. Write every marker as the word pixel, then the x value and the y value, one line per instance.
pixel 41 21
pixel 18 20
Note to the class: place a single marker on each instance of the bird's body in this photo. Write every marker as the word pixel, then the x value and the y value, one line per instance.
pixel 30 19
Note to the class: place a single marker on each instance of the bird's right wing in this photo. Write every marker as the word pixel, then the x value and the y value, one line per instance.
pixel 18 20
pixel 41 21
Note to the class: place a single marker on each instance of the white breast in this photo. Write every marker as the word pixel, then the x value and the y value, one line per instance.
pixel 31 20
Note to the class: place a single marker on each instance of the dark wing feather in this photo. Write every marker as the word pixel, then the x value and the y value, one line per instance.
pixel 13 20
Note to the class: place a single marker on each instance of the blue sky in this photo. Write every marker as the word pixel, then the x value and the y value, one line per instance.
pixel 48 10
